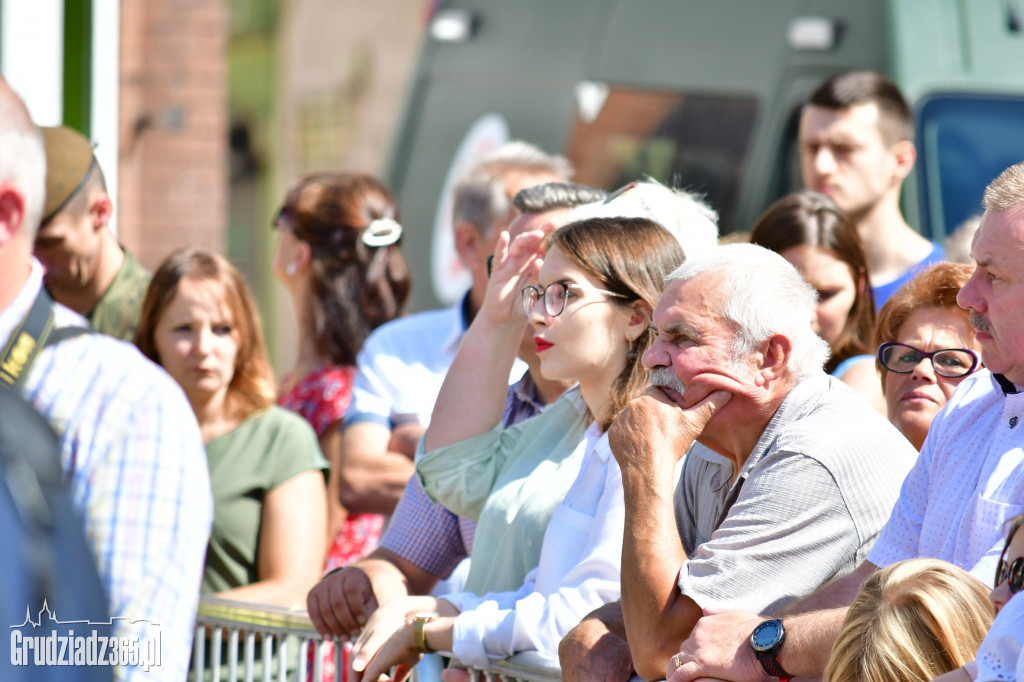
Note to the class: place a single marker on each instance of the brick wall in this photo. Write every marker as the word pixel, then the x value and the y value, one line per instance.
pixel 173 126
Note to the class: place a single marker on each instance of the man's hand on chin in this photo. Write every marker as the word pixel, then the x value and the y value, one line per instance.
pixel 654 423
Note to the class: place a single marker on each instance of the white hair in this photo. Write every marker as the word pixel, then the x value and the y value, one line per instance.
pixel 691 221
pixel 22 156
pixel 479 194
pixel 762 295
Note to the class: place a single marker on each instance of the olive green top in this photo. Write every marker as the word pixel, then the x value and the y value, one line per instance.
pixel 246 463
pixel 117 312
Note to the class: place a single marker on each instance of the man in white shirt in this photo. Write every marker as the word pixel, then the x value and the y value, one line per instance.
pixel 968 481
pixel 403 363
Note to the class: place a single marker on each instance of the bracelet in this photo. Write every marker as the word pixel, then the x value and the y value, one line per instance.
pixel 419 637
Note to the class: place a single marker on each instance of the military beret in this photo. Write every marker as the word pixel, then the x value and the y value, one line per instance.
pixel 68 160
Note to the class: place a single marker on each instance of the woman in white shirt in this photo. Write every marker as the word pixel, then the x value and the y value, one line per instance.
pixel 597 284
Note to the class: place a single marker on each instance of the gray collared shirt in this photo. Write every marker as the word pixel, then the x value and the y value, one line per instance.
pixel 807 505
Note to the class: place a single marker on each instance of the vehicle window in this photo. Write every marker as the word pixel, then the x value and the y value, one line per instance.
pixel 964 142
pixel 696 142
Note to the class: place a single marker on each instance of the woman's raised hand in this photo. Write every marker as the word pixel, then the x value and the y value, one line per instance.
pixel 515 265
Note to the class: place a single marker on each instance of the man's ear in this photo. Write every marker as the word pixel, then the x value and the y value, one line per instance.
pixel 639 320
pixel 100 210
pixel 468 244
pixel 12 213
pixel 775 357
pixel 905 154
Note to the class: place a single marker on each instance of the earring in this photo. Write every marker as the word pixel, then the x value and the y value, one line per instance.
pixel 630 354
pixel 290 269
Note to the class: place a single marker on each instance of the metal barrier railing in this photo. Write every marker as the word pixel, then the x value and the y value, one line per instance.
pixel 265 636
pixel 524 667
pixel 274 630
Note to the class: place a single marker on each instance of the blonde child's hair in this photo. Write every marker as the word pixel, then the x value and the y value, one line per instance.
pixel 912 621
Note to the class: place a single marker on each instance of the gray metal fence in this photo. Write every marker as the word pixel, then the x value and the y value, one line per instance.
pixel 240 641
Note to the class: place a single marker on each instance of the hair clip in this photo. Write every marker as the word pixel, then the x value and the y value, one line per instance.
pixel 382 232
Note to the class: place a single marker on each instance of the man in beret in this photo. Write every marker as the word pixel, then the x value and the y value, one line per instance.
pixel 86 269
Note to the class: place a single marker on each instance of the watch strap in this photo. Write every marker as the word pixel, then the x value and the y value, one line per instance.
pixel 770 663
pixel 419 636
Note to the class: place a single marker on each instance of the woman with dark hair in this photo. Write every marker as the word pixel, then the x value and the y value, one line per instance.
pixel 199 323
pixel 808 229
pixel 543 562
pixel 338 256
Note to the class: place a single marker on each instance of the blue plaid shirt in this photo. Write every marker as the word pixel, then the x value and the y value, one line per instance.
pixel 133 457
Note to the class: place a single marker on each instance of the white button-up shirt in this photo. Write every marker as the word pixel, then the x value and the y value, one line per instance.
pixel 967 483
pixel 579 570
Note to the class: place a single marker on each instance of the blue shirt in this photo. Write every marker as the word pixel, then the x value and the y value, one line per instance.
pixel 884 291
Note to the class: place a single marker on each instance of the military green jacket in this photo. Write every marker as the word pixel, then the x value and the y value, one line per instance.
pixel 118 310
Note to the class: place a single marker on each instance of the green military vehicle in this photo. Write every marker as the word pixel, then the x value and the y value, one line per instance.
pixel 704 94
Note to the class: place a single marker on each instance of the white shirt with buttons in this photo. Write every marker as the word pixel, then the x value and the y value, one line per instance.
pixel 967 483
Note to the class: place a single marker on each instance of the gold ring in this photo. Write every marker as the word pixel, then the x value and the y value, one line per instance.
pixel 677 661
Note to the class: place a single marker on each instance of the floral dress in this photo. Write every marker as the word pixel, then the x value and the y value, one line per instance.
pixel 322 397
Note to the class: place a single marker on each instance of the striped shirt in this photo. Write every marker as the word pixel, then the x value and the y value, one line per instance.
pixel 133 457
pixel 807 505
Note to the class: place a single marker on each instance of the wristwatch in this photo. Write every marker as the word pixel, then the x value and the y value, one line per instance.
pixel 766 641
pixel 418 635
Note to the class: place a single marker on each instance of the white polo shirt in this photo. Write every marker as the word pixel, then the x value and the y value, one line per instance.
pixel 403 363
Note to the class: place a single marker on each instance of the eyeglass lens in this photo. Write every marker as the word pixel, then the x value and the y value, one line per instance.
pixel 948 363
pixel 554 298
pixel 1014 572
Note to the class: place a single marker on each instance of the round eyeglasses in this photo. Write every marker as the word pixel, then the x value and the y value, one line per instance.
pixel 1013 572
pixel 948 362
pixel 555 296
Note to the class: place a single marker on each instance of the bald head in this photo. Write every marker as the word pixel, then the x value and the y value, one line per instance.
pixel 22 169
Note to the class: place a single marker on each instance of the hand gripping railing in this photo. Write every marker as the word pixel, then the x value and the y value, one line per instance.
pixel 273 631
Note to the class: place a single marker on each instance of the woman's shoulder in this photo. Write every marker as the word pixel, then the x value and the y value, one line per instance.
pixel 276 425
pixel 851 362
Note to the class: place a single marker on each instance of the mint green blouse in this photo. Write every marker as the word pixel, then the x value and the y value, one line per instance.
pixel 510 482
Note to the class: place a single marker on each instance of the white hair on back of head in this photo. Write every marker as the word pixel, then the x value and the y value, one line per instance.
pixel 691 221
pixel 762 295
pixel 22 156
pixel 527 157
pixel 479 196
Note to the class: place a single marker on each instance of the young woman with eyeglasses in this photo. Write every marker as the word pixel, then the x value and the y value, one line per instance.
pixel 926 348
pixel 588 289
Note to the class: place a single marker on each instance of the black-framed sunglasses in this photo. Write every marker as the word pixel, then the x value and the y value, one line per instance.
pixel 951 363
pixel 555 296
pixel 1012 572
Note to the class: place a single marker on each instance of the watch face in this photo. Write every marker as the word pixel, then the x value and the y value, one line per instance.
pixel 766 635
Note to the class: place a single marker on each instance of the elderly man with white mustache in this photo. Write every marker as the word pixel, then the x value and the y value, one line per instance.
pixel 790 477
pixel 968 482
